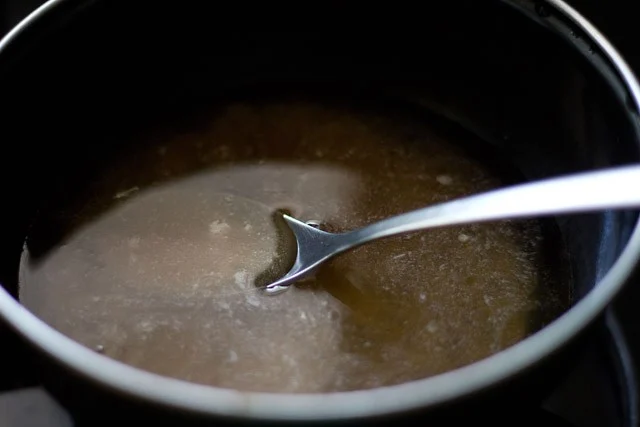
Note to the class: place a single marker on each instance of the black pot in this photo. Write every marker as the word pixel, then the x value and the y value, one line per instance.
pixel 534 80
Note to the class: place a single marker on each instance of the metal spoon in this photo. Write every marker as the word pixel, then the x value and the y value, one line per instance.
pixel 583 192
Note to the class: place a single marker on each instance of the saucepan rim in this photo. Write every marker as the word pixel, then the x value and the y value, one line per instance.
pixel 340 405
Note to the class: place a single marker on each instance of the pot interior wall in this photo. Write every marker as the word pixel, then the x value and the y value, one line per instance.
pixel 71 83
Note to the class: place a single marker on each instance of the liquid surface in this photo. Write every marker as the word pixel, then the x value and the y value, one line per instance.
pixel 156 263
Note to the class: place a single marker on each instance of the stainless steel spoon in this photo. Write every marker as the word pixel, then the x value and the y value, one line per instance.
pixel 612 188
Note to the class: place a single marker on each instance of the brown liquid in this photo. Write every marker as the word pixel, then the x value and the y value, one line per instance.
pixel 159 259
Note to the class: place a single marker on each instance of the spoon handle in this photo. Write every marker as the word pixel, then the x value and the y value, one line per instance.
pixel 612 188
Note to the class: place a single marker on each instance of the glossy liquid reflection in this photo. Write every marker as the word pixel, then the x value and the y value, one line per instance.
pixel 159 260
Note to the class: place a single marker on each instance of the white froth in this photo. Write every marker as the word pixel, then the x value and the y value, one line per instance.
pixel 444 179
pixel 218 227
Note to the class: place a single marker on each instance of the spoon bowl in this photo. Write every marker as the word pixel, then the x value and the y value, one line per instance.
pixel 612 188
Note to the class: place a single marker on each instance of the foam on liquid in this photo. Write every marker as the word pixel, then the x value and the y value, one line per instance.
pixel 159 259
